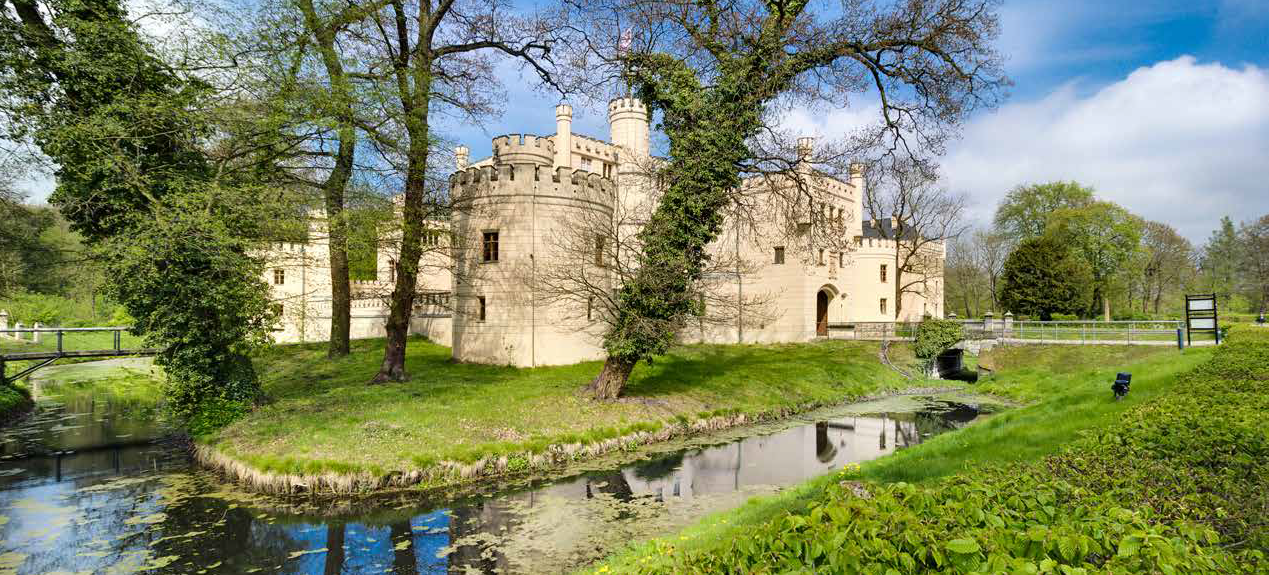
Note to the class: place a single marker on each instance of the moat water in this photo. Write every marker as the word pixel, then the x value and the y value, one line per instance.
pixel 89 485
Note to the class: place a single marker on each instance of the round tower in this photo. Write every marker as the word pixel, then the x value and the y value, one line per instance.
pixel 515 223
pixel 628 121
pixel 523 149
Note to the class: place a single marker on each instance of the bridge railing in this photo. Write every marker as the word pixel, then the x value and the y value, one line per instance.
pixel 67 339
pixel 1151 332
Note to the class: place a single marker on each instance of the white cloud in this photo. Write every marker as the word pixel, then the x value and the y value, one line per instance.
pixel 1179 142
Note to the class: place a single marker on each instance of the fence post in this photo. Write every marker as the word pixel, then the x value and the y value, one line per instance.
pixel 1180 341
pixel 116 340
pixel 1129 333
pixel 17 334
pixel 35 335
pixel 59 341
pixel 4 322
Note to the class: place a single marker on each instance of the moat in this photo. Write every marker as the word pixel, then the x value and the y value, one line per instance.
pixel 88 484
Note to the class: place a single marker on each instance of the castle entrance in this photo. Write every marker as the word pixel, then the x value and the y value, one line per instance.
pixel 821 313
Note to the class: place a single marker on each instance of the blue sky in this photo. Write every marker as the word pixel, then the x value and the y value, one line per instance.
pixel 1161 105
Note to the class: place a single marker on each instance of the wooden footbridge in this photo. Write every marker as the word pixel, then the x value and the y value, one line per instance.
pixel 30 345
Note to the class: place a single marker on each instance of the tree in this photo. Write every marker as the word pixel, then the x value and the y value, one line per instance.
pixel 1026 210
pixel 142 177
pixel 1169 260
pixel 1105 236
pixel 990 250
pixel 924 217
pixel 1041 277
pixel 416 59
pixel 965 281
pixel 1255 238
pixel 1220 261
pixel 713 71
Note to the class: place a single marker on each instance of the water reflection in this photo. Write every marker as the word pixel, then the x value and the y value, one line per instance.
pixel 124 509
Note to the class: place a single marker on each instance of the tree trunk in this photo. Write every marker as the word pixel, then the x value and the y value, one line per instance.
pixel 412 221
pixel 334 550
pixel 335 184
pixel 337 233
pixel 611 381
pixel 1106 308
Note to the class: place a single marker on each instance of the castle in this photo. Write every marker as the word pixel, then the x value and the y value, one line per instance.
pixel 543 230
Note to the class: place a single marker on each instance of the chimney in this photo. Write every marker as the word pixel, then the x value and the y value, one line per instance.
pixel 462 157
pixel 564 136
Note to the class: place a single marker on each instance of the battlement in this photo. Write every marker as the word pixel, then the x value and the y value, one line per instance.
pixel 627 105
pixel 503 179
pixel 516 148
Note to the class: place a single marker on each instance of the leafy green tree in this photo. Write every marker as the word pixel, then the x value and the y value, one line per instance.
pixel 1255 261
pixel 1169 261
pixel 1042 277
pixel 1105 236
pixel 1220 261
pixel 713 72
pixel 1025 211
pixel 139 177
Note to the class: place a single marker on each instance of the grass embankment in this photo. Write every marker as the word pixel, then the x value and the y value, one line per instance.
pixel 14 403
pixel 328 430
pixel 1173 480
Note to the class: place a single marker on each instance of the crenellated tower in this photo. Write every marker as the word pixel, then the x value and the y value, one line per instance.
pixel 513 220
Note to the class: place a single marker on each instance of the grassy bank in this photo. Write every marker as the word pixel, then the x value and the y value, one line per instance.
pixel 1173 480
pixel 454 421
pixel 14 403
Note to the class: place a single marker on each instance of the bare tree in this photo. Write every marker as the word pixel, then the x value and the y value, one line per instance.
pixel 420 59
pixel 991 249
pixel 1168 260
pixel 918 217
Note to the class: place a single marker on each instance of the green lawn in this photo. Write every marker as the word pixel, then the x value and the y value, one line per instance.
pixel 324 417
pixel 1067 389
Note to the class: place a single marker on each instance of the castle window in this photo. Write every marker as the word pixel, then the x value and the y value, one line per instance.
pixel 392 270
pixel 431 238
pixel 779 255
pixel 279 276
pixel 883 304
pixel 489 252
pixel 883 273
pixel 590 306
pixel 821 256
pixel 599 251
pixel 586 164
pixel 481 301
pixel 841 259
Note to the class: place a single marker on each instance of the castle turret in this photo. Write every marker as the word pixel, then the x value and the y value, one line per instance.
pixel 564 136
pixel 857 189
pixel 628 120
pixel 462 157
pixel 523 149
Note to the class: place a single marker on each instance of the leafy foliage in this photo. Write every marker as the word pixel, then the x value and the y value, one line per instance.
pixel 1025 212
pixel 1041 278
pixel 1151 495
pixel 136 178
pixel 936 335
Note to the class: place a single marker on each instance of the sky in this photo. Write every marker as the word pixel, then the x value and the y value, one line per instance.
pixel 1160 105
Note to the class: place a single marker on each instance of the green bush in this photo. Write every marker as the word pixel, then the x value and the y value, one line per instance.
pixel 1179 485
pixel 214 414
pixel 934 336
pixel 1065 317
pixel 56 310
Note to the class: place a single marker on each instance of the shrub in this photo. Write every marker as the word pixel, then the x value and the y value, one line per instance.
pixel 934 336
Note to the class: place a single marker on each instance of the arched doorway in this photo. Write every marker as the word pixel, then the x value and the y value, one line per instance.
pixel 821 313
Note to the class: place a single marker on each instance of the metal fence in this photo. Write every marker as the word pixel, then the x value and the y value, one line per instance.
pixel 1153 332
